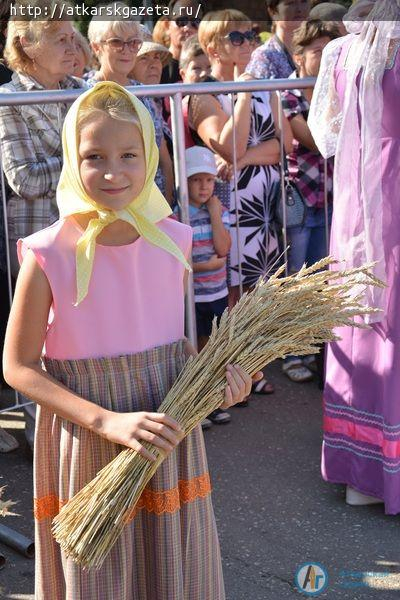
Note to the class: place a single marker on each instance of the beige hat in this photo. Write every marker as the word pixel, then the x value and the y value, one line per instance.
pixel 150 46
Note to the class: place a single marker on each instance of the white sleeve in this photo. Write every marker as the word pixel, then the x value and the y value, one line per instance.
pixel 325 116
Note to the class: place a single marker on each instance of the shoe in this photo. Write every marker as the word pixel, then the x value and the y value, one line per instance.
pixel 219 416
pixel 206 424
pixel 296 371
pixel 243 403
pixel 262 387
pixel 355 498
pixel 310 362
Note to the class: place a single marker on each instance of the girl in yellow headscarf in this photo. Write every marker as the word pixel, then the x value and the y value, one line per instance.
pixel 103 291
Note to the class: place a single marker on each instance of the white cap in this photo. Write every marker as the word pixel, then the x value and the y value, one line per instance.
pixel 200 160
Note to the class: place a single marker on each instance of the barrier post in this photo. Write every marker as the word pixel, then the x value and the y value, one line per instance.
pixel 178 138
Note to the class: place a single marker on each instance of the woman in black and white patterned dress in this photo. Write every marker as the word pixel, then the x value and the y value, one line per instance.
pixel 227 39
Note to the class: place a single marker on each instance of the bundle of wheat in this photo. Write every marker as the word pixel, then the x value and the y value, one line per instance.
pixel 281 316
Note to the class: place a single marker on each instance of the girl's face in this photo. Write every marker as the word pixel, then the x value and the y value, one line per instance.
pixel 309 61
pixel 117 53
pixel 148 68
pixel 112 161
pixel 290 13
pixel 230 54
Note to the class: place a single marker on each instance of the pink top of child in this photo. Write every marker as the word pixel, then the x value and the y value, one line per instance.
pixel 135 300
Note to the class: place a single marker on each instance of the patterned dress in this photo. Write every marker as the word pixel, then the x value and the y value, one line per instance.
pixel 122 348
pixel 254 236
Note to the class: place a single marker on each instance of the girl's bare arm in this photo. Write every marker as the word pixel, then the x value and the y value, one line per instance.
pixel 302 133
pixel 286 132
pixel 24 341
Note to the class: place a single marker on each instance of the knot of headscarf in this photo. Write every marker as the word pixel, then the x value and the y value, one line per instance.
pixel 143 212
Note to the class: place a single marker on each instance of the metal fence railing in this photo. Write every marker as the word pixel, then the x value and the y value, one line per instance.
pixel 175 92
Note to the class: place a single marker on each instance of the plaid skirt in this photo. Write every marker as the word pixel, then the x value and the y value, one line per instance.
pixel 170 550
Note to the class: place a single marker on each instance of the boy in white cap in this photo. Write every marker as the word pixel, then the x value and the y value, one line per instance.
pixel 211 245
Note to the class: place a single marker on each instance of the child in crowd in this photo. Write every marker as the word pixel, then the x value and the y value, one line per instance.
pixel 194 67
pixel 211 245
pixel 314 178
pixel 102 290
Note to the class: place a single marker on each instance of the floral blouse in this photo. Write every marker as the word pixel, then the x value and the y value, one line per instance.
pixel 270 61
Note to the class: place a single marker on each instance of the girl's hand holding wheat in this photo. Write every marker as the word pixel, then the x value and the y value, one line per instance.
pixel 131 429
pixel 239 384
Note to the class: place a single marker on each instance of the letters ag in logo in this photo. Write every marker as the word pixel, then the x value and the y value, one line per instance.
pixel 311 579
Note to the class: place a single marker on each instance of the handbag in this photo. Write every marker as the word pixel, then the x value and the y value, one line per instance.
pixel 295 203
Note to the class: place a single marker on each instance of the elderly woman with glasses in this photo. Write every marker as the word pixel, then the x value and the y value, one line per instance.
pixel 116 45
pixel 228 40
pixel 30 135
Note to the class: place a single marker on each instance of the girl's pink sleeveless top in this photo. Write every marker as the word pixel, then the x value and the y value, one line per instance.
pixel 135 300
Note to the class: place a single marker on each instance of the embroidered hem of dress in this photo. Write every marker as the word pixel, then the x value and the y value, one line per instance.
pixel 158 502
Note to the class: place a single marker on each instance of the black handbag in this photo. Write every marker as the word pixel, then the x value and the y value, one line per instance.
pixel 295 203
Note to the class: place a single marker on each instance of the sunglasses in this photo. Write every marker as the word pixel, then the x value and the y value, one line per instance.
pixel 184 22
pixel 119 45
pixel 237 38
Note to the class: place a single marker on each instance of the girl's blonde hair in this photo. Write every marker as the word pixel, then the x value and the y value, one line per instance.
pixel 99 27
pixel 217 24
pixel 113 103
pixel 34 31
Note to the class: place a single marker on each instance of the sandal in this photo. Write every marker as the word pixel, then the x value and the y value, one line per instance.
pixel 297 372
pixel 310 362
pixel 219 416
pixel 262 387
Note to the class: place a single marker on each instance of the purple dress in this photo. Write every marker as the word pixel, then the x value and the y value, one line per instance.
pixel 361 445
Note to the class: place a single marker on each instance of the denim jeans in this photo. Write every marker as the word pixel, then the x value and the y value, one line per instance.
pixel 308 243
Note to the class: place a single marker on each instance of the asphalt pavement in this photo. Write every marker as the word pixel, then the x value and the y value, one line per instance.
pixel 274 512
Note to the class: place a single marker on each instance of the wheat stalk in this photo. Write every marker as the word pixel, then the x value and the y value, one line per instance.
pixel 281 316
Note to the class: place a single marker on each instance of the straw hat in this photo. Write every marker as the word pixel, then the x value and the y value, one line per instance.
pixel 148 45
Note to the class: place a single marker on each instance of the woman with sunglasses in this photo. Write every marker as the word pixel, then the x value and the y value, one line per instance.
pixel 226 37
pixel 116 44
pixel 273 60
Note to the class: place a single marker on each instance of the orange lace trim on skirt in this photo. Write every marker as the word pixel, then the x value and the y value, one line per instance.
pixel 167 501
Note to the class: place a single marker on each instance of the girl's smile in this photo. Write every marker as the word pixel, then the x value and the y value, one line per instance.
pixel 112 161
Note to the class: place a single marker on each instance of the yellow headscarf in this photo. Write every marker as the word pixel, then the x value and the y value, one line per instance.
pixel 143 212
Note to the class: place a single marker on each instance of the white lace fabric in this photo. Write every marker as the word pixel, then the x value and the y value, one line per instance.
pixel 334 127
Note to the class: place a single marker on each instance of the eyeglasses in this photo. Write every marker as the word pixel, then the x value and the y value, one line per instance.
pixel 184 22
pixel 237 38
pixel 119 45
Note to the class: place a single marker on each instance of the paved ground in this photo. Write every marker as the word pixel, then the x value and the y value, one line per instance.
pixel 273 510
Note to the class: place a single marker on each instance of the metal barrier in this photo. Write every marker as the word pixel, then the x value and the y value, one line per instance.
pixel 176 92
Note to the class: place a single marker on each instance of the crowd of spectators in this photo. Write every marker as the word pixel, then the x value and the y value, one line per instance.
pixel 221 46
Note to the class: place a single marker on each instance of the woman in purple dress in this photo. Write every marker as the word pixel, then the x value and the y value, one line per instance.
pixel 354 115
